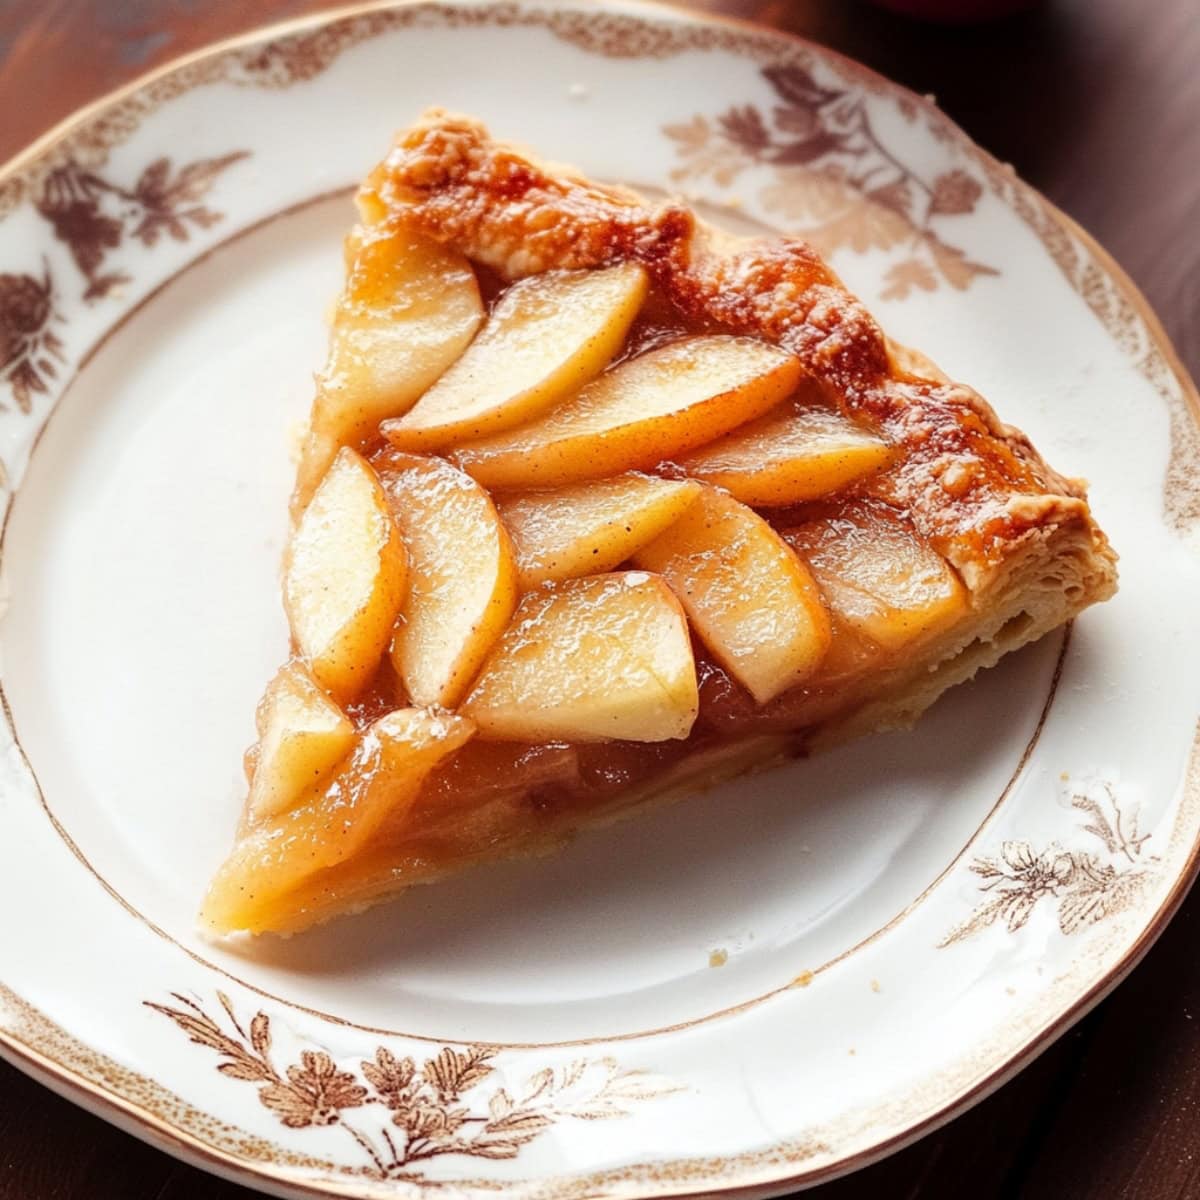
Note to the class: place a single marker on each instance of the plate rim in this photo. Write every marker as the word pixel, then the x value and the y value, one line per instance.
pixel 132 1118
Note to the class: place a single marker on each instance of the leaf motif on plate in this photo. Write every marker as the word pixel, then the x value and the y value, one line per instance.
pixel 956 268
pixel 833 178
pixel 1081 887
pixel 704 153
pixel 425 1111
pixel 796 86
pixel 955 192
pixel 861 227
pixel 91 216
pixel 29 348
pixel 744 126
pixel 908 273
pixel 807 196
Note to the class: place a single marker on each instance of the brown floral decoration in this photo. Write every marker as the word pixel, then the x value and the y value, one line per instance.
pixel 408 1112
pixel 93 217
pixel 1084 887
pixel 29 349
pixel 836 181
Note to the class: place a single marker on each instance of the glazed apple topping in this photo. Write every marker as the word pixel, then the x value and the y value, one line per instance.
pixel 462 576
pixel 302 736
pixel 586 528
pixel 877 575
pixel 547 336
pixel 408 310
pixel 750 599
pixel 536 554
pixel 647 409
pixel 345 577
pixel 801 451
pixel 587 660
pixel 332 822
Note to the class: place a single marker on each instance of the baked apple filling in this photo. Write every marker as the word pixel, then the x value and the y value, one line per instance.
pixel 567 539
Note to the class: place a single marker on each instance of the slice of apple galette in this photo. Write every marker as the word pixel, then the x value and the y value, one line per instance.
pixel 599 506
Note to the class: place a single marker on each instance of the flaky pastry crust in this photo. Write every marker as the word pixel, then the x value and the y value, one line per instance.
pixel 974 487
pixel 1020 536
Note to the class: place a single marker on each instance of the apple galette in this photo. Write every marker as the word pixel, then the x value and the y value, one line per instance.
pixel 599 506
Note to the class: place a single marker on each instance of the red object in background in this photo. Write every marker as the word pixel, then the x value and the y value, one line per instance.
pixel 956 12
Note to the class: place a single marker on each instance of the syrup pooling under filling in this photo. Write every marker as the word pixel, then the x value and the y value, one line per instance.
pixel 551 538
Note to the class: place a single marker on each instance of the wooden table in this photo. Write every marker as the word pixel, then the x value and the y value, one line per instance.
pixel 1097 103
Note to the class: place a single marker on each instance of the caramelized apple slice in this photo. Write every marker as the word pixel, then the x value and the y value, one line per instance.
pixel 409 308
pixel 332 823
pixel 750 599
pixel 302 736
pixel 344 578
pixel 462 577
pixel 590 527
pixel 547 336
pixel 652 407
pixel 588 660
pixel 878 576
pixel 789 456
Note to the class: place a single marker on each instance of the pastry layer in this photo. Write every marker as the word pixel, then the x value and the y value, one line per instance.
pixel 1019 537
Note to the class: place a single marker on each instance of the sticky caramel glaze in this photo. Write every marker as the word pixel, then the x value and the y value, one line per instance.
pixel 553 774
pixel 491 795
pixel 968 485
pixel 494 798
pixel 972 485
pixel 545 781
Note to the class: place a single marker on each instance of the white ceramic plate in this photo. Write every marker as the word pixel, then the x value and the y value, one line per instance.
pixel 901 923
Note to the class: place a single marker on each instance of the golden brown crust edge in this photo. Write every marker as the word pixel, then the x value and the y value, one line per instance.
pixel 1020 535
pixel 973 486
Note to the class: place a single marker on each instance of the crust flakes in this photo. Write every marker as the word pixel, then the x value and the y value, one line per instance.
pixel 973 486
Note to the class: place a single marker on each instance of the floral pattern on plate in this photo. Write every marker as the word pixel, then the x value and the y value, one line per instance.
pixel 835 182
pixel 426 1111
pixel 101 221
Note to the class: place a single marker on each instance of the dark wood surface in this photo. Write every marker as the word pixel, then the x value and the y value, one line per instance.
pixel 1097 103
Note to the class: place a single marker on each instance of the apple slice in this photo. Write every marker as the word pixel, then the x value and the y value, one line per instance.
pixel 332 823
pixel 302 736
pixel 647 409
pixel 588 660
pixel 590 527
pixel 462 575
pixel 344 578
pixel 547 336
pixel 750 599
pixel 878 576
pixel 789 456
pixel 408 309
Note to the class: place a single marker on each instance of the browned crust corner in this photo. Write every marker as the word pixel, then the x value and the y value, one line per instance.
pixel 975 487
